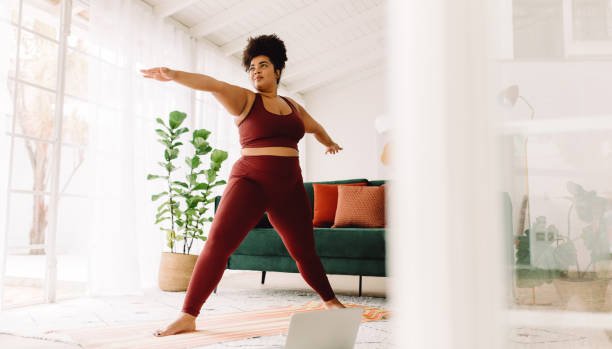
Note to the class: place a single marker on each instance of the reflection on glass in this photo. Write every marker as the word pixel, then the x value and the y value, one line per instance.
pixel 562 259
pixel 10 10
pixel 559 240
pixel 11 33
pixel 592 20
pixel 38 60
pixel 25 266
pixel 35 112
pixel 43 17
pixel 76 74
pixel 31 165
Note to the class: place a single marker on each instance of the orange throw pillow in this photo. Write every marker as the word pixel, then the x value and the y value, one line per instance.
pixel 360 207
pixel 325 202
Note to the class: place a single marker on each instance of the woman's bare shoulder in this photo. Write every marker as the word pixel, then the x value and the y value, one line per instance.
pixel 296 105
pixel 247 107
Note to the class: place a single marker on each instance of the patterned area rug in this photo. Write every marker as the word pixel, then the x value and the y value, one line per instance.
pixel 211 329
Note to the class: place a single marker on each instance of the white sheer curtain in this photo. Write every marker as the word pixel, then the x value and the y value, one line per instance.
pixel 124 244
pixel 5 112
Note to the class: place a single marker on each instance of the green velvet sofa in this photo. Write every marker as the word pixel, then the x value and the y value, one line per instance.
pixel 345 251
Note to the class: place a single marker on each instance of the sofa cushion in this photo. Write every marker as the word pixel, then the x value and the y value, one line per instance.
pixel 366 243
pixel 325 203
pixel 360 207
pixel 378 183
pixel 310 190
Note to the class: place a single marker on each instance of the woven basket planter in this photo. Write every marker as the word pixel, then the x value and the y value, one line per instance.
pixel 175 271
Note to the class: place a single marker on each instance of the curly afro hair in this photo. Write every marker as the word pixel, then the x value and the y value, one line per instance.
pixel 267 45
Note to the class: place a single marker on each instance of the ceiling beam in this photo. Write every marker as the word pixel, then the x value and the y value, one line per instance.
pixel 338 71
pixel 223 19
pixel 169 7
pixel 374 13
pixel 356 47
pixel 289 20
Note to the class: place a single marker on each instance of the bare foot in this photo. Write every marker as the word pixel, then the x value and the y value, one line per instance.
pixel 334 304
pixel 185 323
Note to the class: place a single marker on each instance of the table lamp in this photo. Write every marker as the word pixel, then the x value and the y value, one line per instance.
pixel 508 98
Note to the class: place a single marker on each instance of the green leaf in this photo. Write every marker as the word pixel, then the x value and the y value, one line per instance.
pixel 193 202
pixel 182 184
pixel 195 162
pixel 182 130
pixel 192 178
pixel 200 186
pixel 211 175
pixel 161 213
pixel 203 150
pixel 203 238
pixel 161 122
pixel 176 119
pixel 162 133
pixel 174 153
pixel 201 133
pixel 150 176
pixel 218 156
pixel 165 142
pixel 161 219
pixel 178 190
pixel 157 196
pixel 215 166
pixel 162 206
pixel 199 142
pixel 170 167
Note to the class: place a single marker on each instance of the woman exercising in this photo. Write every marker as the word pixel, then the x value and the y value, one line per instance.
pixel 267 178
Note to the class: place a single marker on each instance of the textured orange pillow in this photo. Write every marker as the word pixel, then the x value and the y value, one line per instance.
pixel 360 207
pixel 325 202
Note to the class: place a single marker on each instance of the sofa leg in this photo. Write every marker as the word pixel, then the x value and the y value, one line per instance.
pixel 263 277
pixel 215 290
pixel 360 285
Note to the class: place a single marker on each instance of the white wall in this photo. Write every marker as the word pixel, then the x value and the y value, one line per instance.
pixel 347 111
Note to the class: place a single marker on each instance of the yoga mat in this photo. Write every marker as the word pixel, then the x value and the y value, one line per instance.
pixel 210 329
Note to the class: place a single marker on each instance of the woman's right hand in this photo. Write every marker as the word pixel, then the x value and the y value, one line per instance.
pixel 159 73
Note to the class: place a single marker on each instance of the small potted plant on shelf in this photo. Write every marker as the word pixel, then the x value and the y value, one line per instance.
pixel 528 275
pixel 186 202
pixel 558 253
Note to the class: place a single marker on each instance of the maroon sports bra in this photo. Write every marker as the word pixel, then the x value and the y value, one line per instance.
pixel 260 128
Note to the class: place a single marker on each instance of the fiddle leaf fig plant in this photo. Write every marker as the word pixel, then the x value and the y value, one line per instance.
pixel 186 223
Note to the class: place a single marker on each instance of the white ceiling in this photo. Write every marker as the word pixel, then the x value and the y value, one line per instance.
pixel 327 41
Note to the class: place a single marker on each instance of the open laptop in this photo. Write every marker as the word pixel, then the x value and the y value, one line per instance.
pixel 324 329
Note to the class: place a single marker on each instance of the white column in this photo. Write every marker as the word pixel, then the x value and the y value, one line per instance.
pixel 444 242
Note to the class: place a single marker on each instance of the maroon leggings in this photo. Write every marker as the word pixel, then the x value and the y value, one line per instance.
pixel 258 184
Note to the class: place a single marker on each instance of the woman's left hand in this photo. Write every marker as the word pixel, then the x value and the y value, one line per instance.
pixel 333 149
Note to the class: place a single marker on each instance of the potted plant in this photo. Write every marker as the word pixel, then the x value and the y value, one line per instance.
pixel 558 253
pixel 186 202
pixel 529 275
pixel 591 282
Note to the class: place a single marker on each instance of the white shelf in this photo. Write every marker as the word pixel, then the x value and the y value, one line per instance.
pixel 546 126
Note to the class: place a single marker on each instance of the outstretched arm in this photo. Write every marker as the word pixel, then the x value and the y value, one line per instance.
pixel 232 97
pixel 312 126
